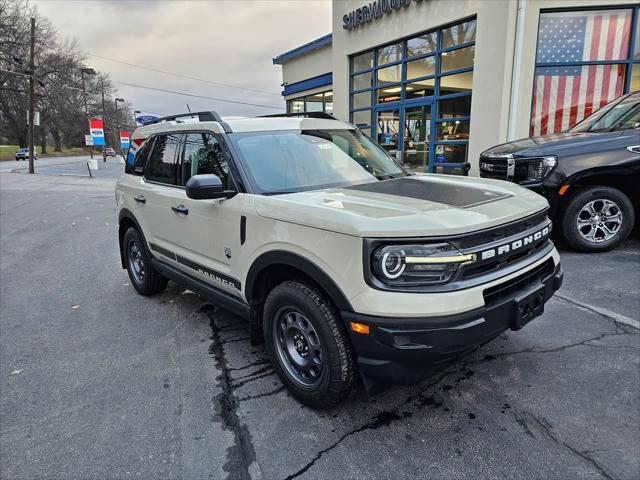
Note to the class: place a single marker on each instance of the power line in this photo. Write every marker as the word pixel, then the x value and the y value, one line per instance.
pixel 197 96
pixel 183 76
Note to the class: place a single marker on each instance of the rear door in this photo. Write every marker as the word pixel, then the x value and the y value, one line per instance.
pixel 163 195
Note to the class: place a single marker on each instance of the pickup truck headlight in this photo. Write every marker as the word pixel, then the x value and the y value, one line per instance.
pixel 534 169
pixel 430 264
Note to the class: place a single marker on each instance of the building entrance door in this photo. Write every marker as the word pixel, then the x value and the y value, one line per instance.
pixel 417 137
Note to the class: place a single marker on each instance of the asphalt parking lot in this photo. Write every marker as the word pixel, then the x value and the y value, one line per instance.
pixel 98 382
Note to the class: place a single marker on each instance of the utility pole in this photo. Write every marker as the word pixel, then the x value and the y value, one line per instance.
pixel 104 123
pixel 88 71
pixel 32 95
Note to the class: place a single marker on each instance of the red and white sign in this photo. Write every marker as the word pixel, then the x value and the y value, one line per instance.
pixel 97 131
pixel 124 139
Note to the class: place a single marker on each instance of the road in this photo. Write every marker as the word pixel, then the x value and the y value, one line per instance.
pixel 98 382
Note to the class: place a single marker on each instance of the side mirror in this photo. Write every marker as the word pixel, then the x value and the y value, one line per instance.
pixel 207 187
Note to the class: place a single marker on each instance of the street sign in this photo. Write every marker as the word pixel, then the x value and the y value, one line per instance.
pixel 124 139
pixel 142 119
pixel 88 140
pixel 97 131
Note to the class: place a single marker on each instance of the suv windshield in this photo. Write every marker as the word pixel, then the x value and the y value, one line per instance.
pixel 616 115
pixel 294 161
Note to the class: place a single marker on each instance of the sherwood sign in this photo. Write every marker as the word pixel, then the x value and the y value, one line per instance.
pixel 374 11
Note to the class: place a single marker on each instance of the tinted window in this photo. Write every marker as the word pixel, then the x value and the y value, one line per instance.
pixel 162 161
pixel 203 155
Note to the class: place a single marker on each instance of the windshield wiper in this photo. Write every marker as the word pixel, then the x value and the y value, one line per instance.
pixel 278 192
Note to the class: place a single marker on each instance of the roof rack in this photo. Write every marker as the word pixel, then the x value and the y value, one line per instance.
pixel 207 116
pixel 325 115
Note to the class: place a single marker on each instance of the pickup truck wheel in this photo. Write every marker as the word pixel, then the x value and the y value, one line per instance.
pixel 597 219
pixel 307 344
pixel 144 278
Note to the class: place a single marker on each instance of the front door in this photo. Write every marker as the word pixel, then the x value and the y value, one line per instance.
pixel 208 243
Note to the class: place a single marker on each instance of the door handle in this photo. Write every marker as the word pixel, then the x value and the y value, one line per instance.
pixel 634 149
pixel 140 199
pixel 180 209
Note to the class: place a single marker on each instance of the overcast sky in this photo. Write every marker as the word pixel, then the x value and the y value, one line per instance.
pixel 231 42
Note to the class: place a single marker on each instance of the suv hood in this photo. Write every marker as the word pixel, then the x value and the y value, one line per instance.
pixel 420 205
pixel 555 144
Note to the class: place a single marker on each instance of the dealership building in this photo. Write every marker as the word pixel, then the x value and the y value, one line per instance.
pixel 435 82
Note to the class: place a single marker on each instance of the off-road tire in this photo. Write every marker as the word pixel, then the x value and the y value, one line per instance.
pixel 337 374
pixel 579 201
pixel 151 282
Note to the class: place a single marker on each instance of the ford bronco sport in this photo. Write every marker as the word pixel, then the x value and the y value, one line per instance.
pixel 347 265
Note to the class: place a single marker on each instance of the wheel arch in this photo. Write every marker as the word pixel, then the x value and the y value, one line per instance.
pixel 275 267
pixel 126 220
pixel 622 177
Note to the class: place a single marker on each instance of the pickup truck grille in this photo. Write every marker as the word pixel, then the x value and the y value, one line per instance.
pixel 494 167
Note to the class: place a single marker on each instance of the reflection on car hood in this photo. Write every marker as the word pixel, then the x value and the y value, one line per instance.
pixel 425 205
pixel 553 144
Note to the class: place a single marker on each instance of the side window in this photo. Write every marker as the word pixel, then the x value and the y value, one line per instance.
pixel 162 161
pixel 137 159
pixel 203 155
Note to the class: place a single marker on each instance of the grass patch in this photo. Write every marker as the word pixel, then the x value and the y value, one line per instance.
pixel 8 152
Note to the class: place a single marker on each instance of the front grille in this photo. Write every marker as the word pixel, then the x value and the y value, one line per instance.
pixel 510 288
pixel 504 231
pixel 493 167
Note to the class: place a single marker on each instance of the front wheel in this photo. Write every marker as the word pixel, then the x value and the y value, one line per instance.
pixel 597 218
pixel 307 344
pixel 145 279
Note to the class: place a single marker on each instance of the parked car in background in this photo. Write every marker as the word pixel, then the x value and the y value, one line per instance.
pixel 590 174
pixel 109 152
pixel 23 154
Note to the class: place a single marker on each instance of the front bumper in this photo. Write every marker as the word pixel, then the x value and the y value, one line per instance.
pixel 405 350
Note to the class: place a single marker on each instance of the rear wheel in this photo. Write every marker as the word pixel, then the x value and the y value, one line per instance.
pixel 145 279
pixel 307 344
pixel 597 218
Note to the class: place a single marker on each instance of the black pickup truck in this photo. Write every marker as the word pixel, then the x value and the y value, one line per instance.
pixel 590 174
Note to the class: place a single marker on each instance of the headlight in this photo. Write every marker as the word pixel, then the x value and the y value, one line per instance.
pixel 534 169
pixel 431 264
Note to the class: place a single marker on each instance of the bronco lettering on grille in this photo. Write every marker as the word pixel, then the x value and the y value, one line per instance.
pixel 515 245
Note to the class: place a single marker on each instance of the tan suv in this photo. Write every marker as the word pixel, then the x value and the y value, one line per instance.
pixel 345 263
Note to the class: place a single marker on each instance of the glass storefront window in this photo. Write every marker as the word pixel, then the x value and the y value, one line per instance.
pixel 318 102
pixel 562 36
pixel 390 94
pixel 636 47
pixel 455 107
pixel 362 81
pixel 458 83
pixel 456 59
pixel 389 74
pixel 458 34
pixel 390 54
pixel 448 153
pixel 415 79
pixel 452 130
pixel 388 125
pixel 421 68
pixel 363 61
pixel 422 88
pixel 421 45
pixel 361 100
pixel 314 103
pixel 297 106
pixel 328 102
pixel 635 77
pixel 362 117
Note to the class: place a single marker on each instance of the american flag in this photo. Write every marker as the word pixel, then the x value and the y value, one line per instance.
pixel 564 95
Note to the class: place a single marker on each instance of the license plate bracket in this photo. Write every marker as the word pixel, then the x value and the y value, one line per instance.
pixel 527 307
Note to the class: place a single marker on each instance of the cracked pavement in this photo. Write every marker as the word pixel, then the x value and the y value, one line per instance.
pixel 124 386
